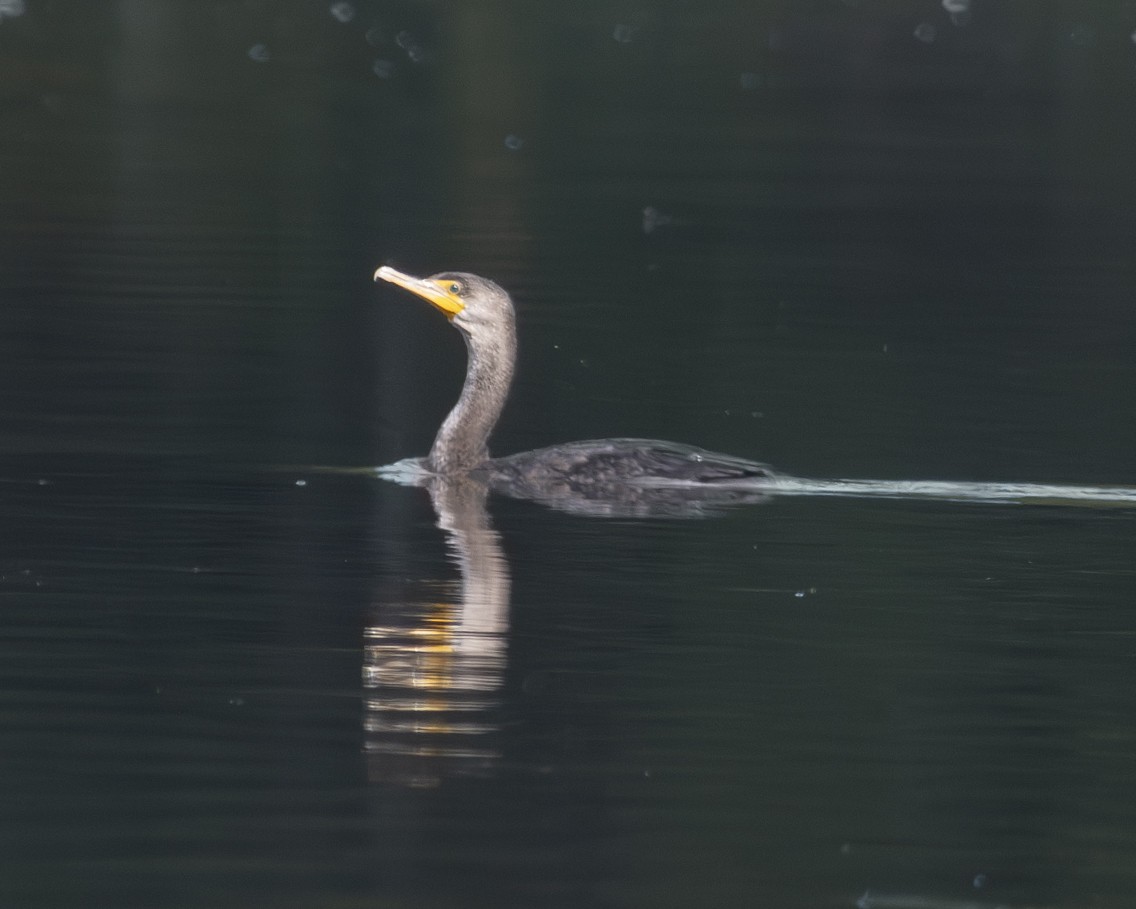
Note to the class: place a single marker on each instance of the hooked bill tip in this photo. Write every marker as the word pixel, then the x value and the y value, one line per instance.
pixel 386 273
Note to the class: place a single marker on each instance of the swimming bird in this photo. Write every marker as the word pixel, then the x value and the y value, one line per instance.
pixel 622 472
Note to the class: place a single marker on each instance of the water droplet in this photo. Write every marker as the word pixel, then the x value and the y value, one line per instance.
pixel 979 881
pixel 374 36
pixel 301 482
pixel 12 8
pixel 750 81
pixel 258 53
pixel 343 11
pixel 925 32
pixel 382 68
pixel 1083 35
pixel 654 219
pixel 624 34
pixel 956 6
pixel 513 142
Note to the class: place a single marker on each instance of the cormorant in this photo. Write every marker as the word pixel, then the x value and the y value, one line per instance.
pixel 615 476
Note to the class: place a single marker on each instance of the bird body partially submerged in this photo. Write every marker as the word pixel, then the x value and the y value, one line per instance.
pixel 483 313
pixel 641 461
pixel 630 477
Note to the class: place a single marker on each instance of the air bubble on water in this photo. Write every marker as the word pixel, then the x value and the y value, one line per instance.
pixel 301 482
pixel 925 32
pixel 513 142
pixel 12 8
pixel 956 6
pixel 258 53
pixel 382 68
pixel 750 81
pixel 373 36
pixel 409 43
pixel 1083 35
pixel 624 34
pixel 654 219
pixel 979 881
pixel 343 11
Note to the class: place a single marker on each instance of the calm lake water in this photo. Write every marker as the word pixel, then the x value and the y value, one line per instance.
pixel 852 239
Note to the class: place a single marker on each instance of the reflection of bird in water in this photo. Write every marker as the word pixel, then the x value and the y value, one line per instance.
pixel 600 476
pixel 433 670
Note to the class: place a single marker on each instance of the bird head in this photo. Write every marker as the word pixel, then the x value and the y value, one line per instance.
pixel 467 300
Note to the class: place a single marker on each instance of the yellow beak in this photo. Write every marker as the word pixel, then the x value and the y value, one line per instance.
pixel 435 292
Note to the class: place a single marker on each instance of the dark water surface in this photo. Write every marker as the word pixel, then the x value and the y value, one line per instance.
pixel 857 239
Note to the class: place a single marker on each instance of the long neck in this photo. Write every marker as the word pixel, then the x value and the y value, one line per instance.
pixel 461 443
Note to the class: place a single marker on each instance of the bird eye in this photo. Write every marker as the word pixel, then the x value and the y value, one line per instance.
pixel 456 289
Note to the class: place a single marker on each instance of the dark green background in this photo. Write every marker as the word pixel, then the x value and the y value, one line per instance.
pixel 884 256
